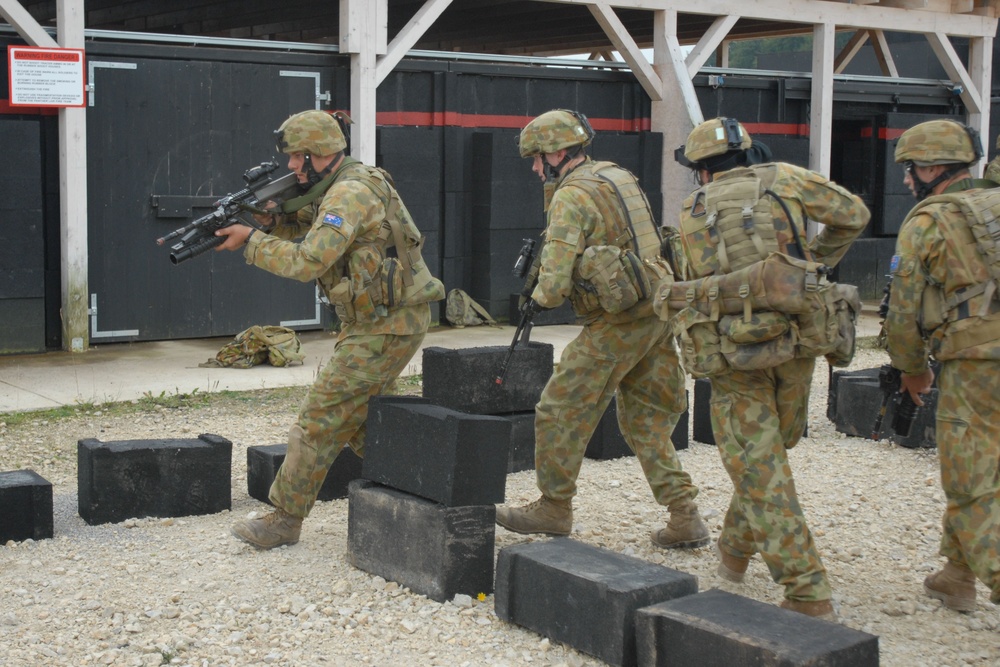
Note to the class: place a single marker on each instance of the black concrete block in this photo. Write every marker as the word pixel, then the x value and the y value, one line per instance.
pixel 719 629
pixel 26 499
pixel 450 457
pixel 465 379
pixel 562 315
pixel 431 549
pixel 264 461
pixel 164 478
pixel 607 442
pixel 857 405
pixel 701 427
pixel 582 595
pixel 522 441
pixel 864 375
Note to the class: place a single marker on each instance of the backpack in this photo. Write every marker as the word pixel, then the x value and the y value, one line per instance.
pixel 461 310
pixel 278 346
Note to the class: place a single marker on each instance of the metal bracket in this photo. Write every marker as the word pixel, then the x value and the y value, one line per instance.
pixel 94 64
pixel 324 97
pixel 94 333
pixel 300 323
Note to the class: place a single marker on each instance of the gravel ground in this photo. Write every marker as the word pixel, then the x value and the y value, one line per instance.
pixel 184 592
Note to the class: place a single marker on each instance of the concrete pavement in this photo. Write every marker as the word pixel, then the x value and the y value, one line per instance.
pixel 125 371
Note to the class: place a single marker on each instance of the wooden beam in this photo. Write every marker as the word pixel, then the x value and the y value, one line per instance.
pixel 74 258
pixel 628 49
pixel 26 26
pixel 710 41
pixel 408 36
pixel 883 54
pixel 981 71
pixel 850 50
pixel 821 98
pixel 949 59
pixel 844 15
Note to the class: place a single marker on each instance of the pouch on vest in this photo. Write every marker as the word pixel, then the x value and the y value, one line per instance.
pixel 616 276
pixel 830 330
pixel 698 340
pixel 365 270
pixel 461 310
pixel 765 341
pixel 342 299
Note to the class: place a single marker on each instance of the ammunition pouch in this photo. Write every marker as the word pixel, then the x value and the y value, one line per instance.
pixel 770 312
pixel 616 277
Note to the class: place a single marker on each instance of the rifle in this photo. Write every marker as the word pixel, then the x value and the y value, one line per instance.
pixel 526 265
pixel 199 236
pixel 888 382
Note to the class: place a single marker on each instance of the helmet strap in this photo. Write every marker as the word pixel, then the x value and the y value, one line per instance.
pixel 924 190
pixel 554 172
pixel 313 176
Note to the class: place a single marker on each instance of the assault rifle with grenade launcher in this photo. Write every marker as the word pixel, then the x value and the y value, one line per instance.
pixel 199 236
pixel 889 379
pixel 526 267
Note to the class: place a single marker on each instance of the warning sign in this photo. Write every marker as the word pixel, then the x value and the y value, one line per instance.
pixel 46 77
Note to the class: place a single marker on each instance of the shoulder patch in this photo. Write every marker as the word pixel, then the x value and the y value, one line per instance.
pixel 894 264
pixel 333 220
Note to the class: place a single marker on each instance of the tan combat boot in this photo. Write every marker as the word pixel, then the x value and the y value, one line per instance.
pixel 270 531
pixel 731 568
pixel 545 515
pixel 685 529
pixel 954 585
pixel 822 609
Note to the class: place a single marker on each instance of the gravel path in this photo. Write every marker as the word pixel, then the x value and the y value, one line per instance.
pixel 184 592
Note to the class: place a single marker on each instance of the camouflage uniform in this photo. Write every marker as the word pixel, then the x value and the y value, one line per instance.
pixel 935 248
pixel 631 352
pixel 758 415
pixel 993 168
pixel 368 356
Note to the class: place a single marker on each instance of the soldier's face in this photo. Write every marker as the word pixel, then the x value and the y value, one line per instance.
pixel 540 161
pixel 297 164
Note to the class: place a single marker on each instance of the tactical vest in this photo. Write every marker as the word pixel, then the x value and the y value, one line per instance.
pixel 373 282
pixel 731 225
pixel 971 222
pixel 748 305
pixel 619 273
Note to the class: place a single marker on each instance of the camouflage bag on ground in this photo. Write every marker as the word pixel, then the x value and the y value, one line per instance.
pixel 461 310
pixel 278 346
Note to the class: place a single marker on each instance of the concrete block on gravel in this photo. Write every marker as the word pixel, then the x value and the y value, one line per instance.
pixel 465 379
pixel 263 462
pixel 26 499
pixel 431 549
pixel 607 442
pixel 522 441
pixel 443 455
pixel 701 426
pixel 161 478
pixel 582 595
pixel 719 629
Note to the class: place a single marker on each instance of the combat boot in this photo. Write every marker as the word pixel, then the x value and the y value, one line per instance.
pixel 822 609
pixel 954 585
pixel 267 532
pixel 685 529
pixel 731 568
pixel 545 515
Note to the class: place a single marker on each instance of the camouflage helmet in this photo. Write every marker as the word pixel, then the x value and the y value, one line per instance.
pixel 314 132
pixel 555 130
pixel 938 142
pixel 716 137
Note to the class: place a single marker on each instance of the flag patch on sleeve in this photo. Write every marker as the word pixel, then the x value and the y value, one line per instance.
pixel 333 220
pixel 894 264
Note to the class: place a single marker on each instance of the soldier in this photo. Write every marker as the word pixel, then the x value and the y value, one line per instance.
pixel 757 415
pixel 348 217
pixel 599 217
pixel 992 172
pixel 944 302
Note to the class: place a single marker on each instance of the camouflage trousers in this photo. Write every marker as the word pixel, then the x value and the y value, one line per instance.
pixel 638 360
pixel 756 417
pixel 968 441
pixel 334 413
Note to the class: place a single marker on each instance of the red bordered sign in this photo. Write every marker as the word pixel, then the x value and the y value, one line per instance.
pixel 46 77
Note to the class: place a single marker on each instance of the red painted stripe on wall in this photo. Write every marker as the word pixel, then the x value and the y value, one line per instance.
pixel 456 119
pixel 787 129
